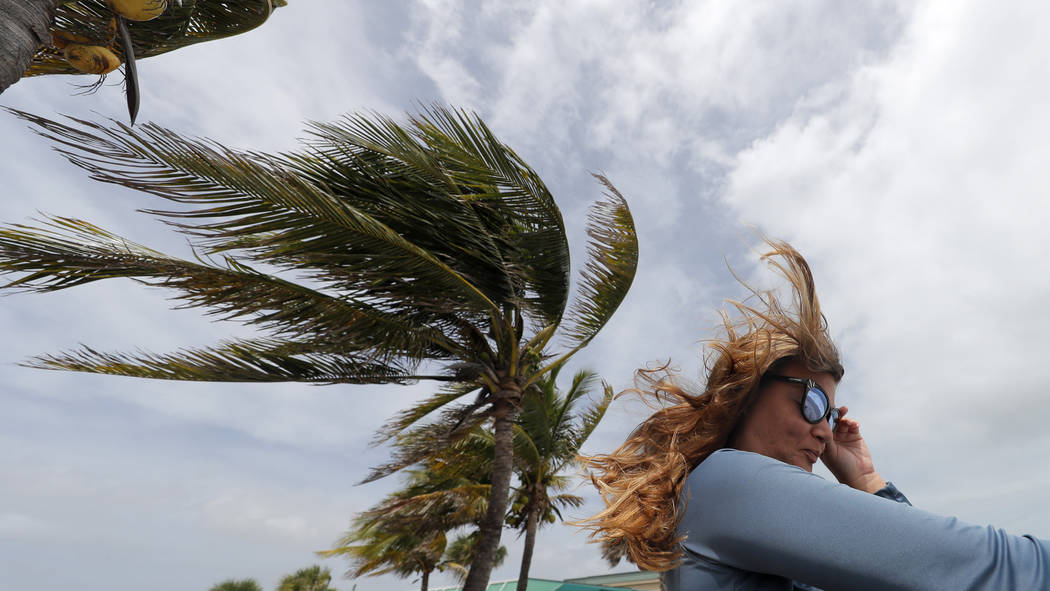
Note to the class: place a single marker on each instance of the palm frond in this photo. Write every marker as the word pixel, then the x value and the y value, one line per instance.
pixel 380 548
pixel 67 252
pixel 582 382
pixel 612 259
pixel 538 252
pixel 458 504
pixel 429 440
pixel 548 433
pixel 258 360
pixel 405 196
pixel 566 501
pixel 408 417
pixel 194 21
pixel 532 430
pixel 591 417
pixel 526 450
pixel 461 554
pixel 257 200
pixel 448 151
pixel 561 421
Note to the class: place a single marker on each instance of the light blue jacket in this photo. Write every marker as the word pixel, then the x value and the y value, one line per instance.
pixel 753 523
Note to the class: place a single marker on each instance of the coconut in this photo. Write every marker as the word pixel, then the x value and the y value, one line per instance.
pixel 138 10
pixel 91 59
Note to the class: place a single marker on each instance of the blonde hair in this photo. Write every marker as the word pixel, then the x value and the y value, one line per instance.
pixel 642 480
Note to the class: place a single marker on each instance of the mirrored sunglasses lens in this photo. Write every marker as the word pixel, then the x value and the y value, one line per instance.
pixel 833 418
pixel 815 405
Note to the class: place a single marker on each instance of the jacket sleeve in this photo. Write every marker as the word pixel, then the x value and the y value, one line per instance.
pixel 761 515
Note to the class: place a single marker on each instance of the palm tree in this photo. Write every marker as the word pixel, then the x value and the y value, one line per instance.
pixel 33 33
pixel 313 578
pixel 237 585
pixel 451 489
pixel 461 553
pixel 378 546
pixel 390 544
pixel 405 533
pixel 547 441
pixel 399 253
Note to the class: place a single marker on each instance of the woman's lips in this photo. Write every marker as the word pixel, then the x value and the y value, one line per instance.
pixel 811 455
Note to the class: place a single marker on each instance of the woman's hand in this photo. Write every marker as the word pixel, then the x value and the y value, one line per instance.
pixel 848 458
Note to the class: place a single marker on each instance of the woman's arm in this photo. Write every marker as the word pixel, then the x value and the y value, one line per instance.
pixel 758 514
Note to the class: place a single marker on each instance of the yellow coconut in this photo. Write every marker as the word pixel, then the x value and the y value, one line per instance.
pixel 138 10
pixel 91 59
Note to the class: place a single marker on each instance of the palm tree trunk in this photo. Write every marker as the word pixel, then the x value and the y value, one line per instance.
pixel 530 541
pixel 492 525
pixel 426 581
pixel 24 28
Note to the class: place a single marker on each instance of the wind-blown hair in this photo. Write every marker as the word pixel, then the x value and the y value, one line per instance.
pixel 641 482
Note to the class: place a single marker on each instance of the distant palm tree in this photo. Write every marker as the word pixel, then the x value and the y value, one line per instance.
pixel 237 585
pixel 547 440
pixel 313 578
pixel 377 546
pixel 451 489
pixel 405 533
pixel 388 539
pixel 397 253
pixel 461 553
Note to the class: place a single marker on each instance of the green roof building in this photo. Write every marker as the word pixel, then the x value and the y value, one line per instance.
pixel 637 581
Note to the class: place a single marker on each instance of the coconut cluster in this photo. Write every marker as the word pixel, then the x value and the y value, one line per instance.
pixel 97 59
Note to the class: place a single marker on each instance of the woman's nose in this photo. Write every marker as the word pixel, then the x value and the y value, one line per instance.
pixel 822 431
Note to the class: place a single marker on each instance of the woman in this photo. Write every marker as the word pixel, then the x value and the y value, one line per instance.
pixel 717 489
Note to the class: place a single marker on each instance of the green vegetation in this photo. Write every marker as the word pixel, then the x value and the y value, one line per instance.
pixel 547 440
pixel 406 533
pixel 237 585
pixel 379 253
pixel 313 578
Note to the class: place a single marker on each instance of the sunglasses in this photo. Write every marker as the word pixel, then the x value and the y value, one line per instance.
pixel 815 405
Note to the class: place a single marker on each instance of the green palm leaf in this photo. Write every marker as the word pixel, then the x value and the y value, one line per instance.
pixel 538 251
pixel 234 361
pixel 612 259
pixel 258 202
pixel 407 194
pixel 410 416
pixel 448 150
pixel 459 502
pixel 590 418
pixel 426 441
pixel 68 252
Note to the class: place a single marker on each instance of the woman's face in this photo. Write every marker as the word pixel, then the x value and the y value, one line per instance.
pixel 774 425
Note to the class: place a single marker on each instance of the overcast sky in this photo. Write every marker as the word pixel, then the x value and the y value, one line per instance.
pixel 901 146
